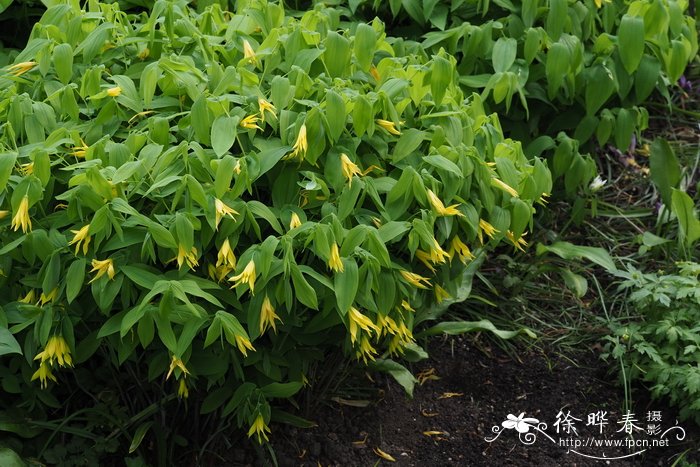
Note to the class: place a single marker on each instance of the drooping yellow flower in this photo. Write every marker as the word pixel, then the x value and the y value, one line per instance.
pixel 143 55
pixel 388 126
pixel 237 167
pixel 300 146
pixel 182 390
pixel 501 185
pixel 375 73
pixel 424 257
pixel 21 218
pixel 226 257
pixel 599 3
pixel 250 122
pixel 259 428
pixel 406 306
pixel 543 199
pixel 21 68
pixel 387 325
pixel 80 151
pixel 519 243
pixel 486 228
pixel 440 208
pixel 350 169
pixel 176 362
pixel 334 261
pixel 114 91
pixel 105 266
pixel 437 254
pixel 47 298
pixel 265 106
pixel 223 210
pixel 245 277
pixel 81 238
pixel 294 222
pixel 268 316
pixel 441 294
pixel 249 53
pixel 27 169
pixel 415 280
pixel 366 351
pixel 243 344
pixel 357 319
pixel 56 349
pixel 44 374
pixel 29 298
pixel 461 249
pixel 186 257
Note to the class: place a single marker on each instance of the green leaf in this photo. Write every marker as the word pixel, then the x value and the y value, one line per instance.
pixel 569 251
pixel 8 343
pixel 223 134
pixel 664 169
pixel 364 45
pixel 630 37
pixel 74 279
pixel 683 207
pixel 504 53
pixel 7 163
pixel 139 435
pixel 337 54
pixel 346 284
pixel 399 372
pixel 441 77
pixel 461 327
pixel 575 282
pixel 281 416
pixel 8 457
pixel 409 141
pixel 63 62
pixel 281 390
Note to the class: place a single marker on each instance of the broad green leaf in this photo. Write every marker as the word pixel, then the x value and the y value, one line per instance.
pixel 74 279
pixel 664 169
pixel 364 45
pixel 223 134
pixel 337 54
pixel 399 372
pixel 684 209
pixel 569 251
pixel 281 390
pixel 346 284
pixel 8 343
pixel 461 327
pixel 630 37
pixel 504 53
pixel 139 435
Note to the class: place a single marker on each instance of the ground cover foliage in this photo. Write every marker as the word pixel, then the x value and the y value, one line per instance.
pixel 202 203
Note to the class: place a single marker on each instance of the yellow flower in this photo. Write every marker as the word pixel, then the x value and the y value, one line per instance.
pixel 406 306
pixel 518 243
pixel 441 294
pixel 415 279
pixel 175 362
pixel 56 349
pixel 294 221
pixel 81 237
pixel 243 344
pixel 143 55
pixel 44 374
pixel 247 276
pixel 462 250
pixel 375 73
pixel 599 3
pixel 27 169
pixel 29 298
pixel 237 167
pixel 226 257
pixel 259 428
pixel 437 254
pixel 80 151
pixel 21 218
pixel 4 214
pixel 500 184
pixel 103 267
pixel 182 390
pixel 21 68
pixel 366 350
pixel 50 297
pixel 300 146
pixel 488 229
pixel 250 122
pixel 185 257
pixel 222 210
pixel 114 92
pixel 355 319
pixel 387 325
pixel 440 207
pixel 265 106
pixel 424 257
pixel 543 199
pixel 350 169
pixel 249 53
pixel 268 316
pixel 388 126
pixel 334 261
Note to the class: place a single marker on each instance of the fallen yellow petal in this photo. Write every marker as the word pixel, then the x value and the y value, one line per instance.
pixel 384 455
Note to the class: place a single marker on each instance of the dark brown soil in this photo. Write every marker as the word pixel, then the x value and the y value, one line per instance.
pixel 479 385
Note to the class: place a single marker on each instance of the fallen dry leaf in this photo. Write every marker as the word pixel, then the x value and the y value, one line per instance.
pixel 448 395
pixel 384 455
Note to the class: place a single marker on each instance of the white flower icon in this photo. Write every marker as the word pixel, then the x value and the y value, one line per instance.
pixel 521 424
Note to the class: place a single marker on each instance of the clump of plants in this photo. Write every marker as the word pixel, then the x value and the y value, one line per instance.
pixel 198 206
pixel 661 344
